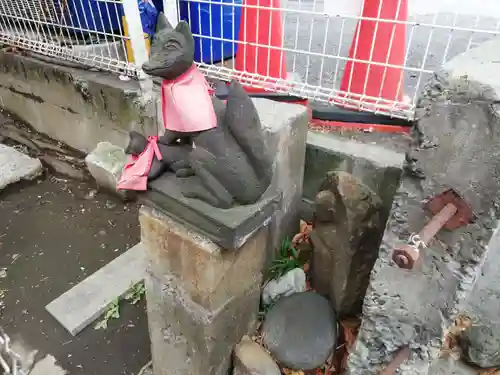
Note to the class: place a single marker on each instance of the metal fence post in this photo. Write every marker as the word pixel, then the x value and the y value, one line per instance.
pixel 171 10
pixel 138 44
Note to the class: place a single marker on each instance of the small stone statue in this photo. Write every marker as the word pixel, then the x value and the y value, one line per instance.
pixel 347 229
pixel 217 150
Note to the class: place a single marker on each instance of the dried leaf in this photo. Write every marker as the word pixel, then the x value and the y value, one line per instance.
pixel 452 336
pixel 351 323
pixel 303 226
pixel 297 238
pixel 350 328
pixel 303 235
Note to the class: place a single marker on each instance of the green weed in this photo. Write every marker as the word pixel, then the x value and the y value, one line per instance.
pixel 133 296
pixel 287 259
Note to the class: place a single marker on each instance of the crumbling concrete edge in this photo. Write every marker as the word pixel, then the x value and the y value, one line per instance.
pixel 79 107
pixel 426 350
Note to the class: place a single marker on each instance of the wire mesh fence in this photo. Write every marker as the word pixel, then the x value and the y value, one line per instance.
pixel 312 45
pixel 318 37
pixel 86 32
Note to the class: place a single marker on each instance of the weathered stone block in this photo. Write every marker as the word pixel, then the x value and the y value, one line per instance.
pixel 377 167
pixel 481 343
pixel 285 126
pixel 105 163
pixel 188 339
pixel 456 145
pixel 346 243
pixel 209 274
pixel 348 226
pixel 202 299
pixel 251 359
pixel 228 228
pixel 16 166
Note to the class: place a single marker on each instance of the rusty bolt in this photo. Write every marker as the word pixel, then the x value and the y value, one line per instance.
pixel 450 210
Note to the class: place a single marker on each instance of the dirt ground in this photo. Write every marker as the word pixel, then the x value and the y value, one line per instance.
pixel 55 232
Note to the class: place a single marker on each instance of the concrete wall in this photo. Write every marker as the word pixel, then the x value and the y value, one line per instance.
pixel 377 167
pixel 78 107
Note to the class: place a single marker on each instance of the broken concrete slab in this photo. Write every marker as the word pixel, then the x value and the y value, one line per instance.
pixel 456 144
pixel 78 107
pixel 16 166
pixel 27 354
pixel 86 301
pixel 450 366
pixel 479 64
pixel 481 342
pixel 105 163
pixel 47 366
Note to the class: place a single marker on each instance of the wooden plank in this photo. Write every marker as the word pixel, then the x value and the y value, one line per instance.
pixel 86 301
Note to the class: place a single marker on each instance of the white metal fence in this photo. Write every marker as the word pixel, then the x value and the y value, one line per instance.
pixel 317 36
pixel 88 32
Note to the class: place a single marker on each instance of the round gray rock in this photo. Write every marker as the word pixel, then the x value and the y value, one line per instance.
pixel 300 331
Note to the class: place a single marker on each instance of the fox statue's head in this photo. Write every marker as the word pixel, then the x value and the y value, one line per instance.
pixel 172 50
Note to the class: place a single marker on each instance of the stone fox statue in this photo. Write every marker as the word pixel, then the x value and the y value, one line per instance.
pixel 217 149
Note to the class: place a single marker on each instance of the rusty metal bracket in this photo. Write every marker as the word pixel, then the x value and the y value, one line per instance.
pixel 450 211
pixel 400 357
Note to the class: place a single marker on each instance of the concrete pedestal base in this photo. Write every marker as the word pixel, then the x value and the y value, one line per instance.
pixel 201 298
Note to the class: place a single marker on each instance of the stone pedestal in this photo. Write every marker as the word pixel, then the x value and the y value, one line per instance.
pixel 456 144
pixel 285 126
pixel 201 298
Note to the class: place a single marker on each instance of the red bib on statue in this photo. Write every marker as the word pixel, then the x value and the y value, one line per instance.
pixel 186 103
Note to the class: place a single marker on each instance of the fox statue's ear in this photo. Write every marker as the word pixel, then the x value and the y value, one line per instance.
pixel 162 23
pixel 183 28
